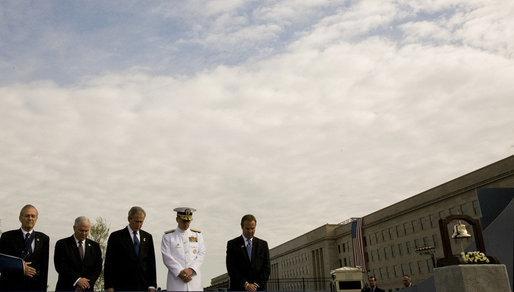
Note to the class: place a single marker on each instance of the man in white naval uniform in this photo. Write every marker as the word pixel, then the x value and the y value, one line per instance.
pixel 183 251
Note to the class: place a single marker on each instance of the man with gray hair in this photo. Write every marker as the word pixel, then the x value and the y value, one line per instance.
pixel 30 245
pixel 77 259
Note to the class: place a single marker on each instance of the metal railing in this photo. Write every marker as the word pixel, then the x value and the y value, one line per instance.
pixel 285 284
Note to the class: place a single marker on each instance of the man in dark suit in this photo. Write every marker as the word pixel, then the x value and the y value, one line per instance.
pixel 33 247
pixel 130 257
pixel 78 260
pixel 373 286
pixel 248 262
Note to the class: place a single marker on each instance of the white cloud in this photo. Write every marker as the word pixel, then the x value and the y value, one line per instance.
pixel 424 31
pixel 489 27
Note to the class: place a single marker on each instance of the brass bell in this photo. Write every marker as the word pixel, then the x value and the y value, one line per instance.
pixel 460 231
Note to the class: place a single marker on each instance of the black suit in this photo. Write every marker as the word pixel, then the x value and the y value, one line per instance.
pixel 70 267
pixel 239 267
pixel 13 243
pixel 123 269
pixel 376 289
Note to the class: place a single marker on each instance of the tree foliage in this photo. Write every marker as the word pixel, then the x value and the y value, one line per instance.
pixel 99 232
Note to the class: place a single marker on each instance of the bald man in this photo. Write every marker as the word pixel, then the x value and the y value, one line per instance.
pixel 30 245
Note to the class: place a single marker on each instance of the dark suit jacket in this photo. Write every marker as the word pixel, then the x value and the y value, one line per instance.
pixel 70 267
pixel 13 243
pixel 123 269
pixel 239 267
pixel 376 290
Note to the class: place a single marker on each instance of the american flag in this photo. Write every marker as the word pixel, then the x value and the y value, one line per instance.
pixel 358 244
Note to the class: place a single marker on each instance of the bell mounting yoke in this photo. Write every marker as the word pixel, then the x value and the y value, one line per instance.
pixel 449 257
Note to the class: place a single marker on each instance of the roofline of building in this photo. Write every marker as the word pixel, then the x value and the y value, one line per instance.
pixel 476 178
pixel 311 242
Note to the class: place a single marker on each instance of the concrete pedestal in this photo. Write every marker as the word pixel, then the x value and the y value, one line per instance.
pixel 471 278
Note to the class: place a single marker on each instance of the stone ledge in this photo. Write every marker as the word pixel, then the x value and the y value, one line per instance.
pixel 472 278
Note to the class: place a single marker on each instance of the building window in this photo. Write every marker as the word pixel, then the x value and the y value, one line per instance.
pixel 433 221
pixel 405 269
pixel 443 214
pixel 385 253
pixel 400 248
pixel 344 247
pixel 412 269
pixel 406 228
pixel 373 254
pixel 453 211
pixel 398 231
pixel 379 253
pixel 415 227
pixel 382 273
pixel 393 253
pixel 423 222
pixel 409 247
pixel 341 263
pixel 370 240
pixel 397 271
pixel 345 263
pixel 421 267
pixel 476 208
pixel 391 232
pixel 384 237
pixel 430 265
pixel 417 243
pixel 464 208
pixel 425 241
pixel 376 237
pixel 435 239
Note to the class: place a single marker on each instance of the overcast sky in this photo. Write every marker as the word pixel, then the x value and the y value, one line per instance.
pixel 300 112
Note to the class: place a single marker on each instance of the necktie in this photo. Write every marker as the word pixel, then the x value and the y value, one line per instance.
pixel 27 238
pixel 81 250
pixel 28 246
pixel 136 243
pixel 249 249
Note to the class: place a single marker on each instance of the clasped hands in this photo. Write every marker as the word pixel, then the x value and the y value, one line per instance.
pixel 186 275
pixel 82 284
pixel 251 287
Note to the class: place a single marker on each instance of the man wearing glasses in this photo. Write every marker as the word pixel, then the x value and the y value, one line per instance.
pixel 30 245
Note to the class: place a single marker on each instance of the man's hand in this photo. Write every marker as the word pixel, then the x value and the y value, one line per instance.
pixel 83 284
pixel 250 287
pixel 28 270
pixel 186 275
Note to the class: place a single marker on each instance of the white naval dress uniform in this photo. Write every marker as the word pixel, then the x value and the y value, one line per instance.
pixel 180 250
